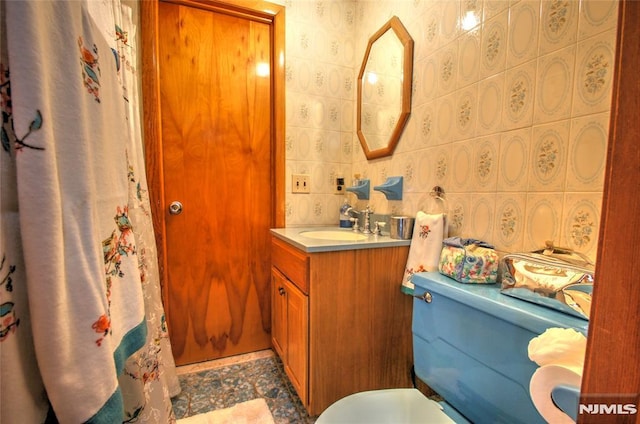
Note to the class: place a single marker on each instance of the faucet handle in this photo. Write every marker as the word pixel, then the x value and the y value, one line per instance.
pixel 377 230
pixel 355 223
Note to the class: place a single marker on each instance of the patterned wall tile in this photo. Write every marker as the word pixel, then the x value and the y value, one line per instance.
pixel 442 167
pixel 594 74
pixel 449 21
pixel 494 7
pixel 490 94
pixel 597 17
pixel 466 112
pixel 319 112
pixel 485 163
pixel 523 32
pixel 508 231
pixel 424 170
pixel 580 222
pixel 587 152
pixel 431 29
pixel 334 82
pixel 461 166
pixel 493 50
pixel 554 86
pixel 348 83
pixel 447 69
pixel 517 107
pixel 428 69
pixel 347 116
pixel 445 119
pixel 513 174
pixel 543 220
pixel 409 172
pixel 559 24
pixel 482 216
pixel 468 57
pixel 424 120
pixel 548 160
pixel 458 206
pixel 346 148
pixel 514 162
pixel 471 12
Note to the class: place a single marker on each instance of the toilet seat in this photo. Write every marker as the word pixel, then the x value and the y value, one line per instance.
pixel 393 406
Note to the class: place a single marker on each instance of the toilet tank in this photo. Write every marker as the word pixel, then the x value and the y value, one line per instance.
pixel 470 345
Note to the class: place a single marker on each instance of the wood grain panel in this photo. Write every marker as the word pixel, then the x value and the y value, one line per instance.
pixel 278 312
pixel 389 316
pixel 290 330
pixel 216 137
pixel 360 324
pixel 292 262
pixel 152 130
pixel 613 345
pixel 297 339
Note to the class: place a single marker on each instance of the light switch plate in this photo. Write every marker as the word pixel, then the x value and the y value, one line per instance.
pixel 300 183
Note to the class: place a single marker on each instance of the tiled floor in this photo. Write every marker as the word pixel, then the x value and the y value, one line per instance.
pixel 225 382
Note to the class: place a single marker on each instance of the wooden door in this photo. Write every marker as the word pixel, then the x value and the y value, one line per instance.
pixel 216 131
pixel 611 373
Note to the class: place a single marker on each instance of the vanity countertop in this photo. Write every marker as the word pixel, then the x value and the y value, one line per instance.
pixel 295 237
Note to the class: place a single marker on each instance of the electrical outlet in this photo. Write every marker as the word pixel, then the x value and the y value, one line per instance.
pixel 340 185
pixel 300 183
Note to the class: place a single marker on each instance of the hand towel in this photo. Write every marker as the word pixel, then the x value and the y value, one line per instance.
pixel 424 253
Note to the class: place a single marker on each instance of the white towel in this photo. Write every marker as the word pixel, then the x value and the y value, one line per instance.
pixel 426 244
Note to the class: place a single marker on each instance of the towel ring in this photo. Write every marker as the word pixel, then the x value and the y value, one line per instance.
pixel 438 193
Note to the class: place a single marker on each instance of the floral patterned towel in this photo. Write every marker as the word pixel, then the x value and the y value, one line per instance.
pixel 468 261
pixel 426 243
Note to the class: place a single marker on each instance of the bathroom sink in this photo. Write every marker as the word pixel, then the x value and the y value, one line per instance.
pixel 333 235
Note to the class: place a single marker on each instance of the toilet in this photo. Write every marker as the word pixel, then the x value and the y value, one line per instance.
pixel 470 345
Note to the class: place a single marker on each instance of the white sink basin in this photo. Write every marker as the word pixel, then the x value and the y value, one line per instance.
pixel 334 235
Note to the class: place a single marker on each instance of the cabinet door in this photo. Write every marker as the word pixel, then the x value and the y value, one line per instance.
pixel 297 339
pixel 279 313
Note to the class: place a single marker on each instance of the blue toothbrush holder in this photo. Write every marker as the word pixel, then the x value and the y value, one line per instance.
pixel 361 189
pixel 392 188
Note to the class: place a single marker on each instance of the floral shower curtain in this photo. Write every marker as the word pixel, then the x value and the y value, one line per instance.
pixel 82 331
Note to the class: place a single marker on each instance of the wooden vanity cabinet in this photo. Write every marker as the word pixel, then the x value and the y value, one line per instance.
pixel 290 330
pixel 340 324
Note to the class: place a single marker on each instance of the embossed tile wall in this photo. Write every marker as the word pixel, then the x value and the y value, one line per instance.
pixel 510 114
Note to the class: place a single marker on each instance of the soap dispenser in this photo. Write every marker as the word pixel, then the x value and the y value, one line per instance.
pixel 345 218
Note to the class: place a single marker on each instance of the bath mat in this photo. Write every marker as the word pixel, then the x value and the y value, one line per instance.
pixel 253 411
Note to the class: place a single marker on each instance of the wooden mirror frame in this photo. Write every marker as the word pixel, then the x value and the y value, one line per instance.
pixel 401 32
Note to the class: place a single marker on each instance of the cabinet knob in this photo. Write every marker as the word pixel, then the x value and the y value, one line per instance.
pixel 281 291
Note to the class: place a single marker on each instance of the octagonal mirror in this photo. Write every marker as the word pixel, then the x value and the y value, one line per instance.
pixel 384 89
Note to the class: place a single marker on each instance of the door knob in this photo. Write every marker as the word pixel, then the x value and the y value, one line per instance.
pixel 175 208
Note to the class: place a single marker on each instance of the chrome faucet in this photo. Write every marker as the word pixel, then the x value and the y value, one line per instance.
pixel 366 229
pixel 365 216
